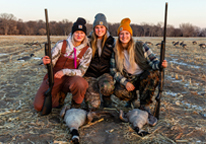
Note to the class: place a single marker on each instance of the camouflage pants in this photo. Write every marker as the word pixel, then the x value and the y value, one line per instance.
pixel 145 83
pixel 103 84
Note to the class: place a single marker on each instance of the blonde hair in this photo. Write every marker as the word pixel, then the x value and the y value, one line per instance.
pixel 94 42
pixel 119 55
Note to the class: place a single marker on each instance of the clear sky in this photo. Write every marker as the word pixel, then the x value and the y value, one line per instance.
pixel 139 11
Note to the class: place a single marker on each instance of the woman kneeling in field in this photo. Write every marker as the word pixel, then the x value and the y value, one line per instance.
pixel 70 60
pixel 98 74
pixel 134 68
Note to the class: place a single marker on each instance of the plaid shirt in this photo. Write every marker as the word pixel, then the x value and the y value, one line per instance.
pixel 149 55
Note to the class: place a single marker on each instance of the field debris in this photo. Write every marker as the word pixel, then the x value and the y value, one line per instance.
pixel 182 111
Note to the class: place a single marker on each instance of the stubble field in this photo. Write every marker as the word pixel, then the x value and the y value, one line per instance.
pixel 183 109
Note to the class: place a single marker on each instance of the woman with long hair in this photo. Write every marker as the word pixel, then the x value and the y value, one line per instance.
pixel 70 60
pixel 98 74
pixel 134 68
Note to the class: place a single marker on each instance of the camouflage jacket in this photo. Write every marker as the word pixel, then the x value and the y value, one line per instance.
pixel 153 62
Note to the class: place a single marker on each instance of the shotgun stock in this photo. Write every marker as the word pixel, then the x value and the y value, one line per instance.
pixel 162 57
pixel 47 106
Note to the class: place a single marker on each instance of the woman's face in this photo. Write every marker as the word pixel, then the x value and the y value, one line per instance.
pixel 78 36
pixel 100 30
pixel 124 37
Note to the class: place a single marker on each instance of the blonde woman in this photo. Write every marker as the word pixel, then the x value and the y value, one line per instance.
pixel 134 68
pixel 70 60
pixel 97 75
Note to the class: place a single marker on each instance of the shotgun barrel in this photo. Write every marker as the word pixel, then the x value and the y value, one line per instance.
pixel 47 106
pixel 162 57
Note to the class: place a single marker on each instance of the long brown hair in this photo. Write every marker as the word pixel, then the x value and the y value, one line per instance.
pixel 119 55
pixel 94 42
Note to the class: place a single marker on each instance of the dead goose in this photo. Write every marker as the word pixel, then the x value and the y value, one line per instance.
pixel 138 118
pixel 76 118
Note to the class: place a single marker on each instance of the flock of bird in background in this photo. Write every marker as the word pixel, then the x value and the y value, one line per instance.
pixel 176 44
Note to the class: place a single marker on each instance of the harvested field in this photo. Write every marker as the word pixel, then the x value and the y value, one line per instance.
pixel 183 107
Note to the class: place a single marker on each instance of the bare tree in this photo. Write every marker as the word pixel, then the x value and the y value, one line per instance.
pixel 177 33
pixel 113 28
pixel 159 29
pixel 187 29
pixel 6 22
pixel 170 30
pixel 67 26
pixel 42 31
pixel 146 28
pixel 22 27
pixel 9 25
pixel 197 31
pixel 203 33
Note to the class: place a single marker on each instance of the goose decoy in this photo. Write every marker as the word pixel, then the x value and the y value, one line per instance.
pixel 194 42
pixel 41 63
pixel 184 46
pixel 176 44
pixel 182 43
pixel 158 45
pixel 202 45
pixel 138 118
pixel 148 43
pixel 36 44
pixel 26 58
pixel 27 44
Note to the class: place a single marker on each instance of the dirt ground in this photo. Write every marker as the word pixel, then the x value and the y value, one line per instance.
pixel 183 109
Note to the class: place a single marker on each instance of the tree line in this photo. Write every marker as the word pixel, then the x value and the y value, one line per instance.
pixel 9 25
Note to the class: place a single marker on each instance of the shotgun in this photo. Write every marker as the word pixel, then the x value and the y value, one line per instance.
pixel 47 106
pixel 161 80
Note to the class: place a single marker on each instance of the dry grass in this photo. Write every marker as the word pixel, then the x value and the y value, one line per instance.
pixel 183 110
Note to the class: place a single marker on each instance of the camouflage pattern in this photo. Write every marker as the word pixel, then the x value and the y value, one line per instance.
pixel 145 83
pixel 102 85
pixel 106 84
pixel 122 93
pixel 92 96
pixel 147 87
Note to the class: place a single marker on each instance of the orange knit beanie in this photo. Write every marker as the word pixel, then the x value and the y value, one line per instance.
pixel 125 25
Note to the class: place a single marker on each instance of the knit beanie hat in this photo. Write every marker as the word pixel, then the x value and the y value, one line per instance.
pixel 125 25
pixel 100 19
pixel 79 25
